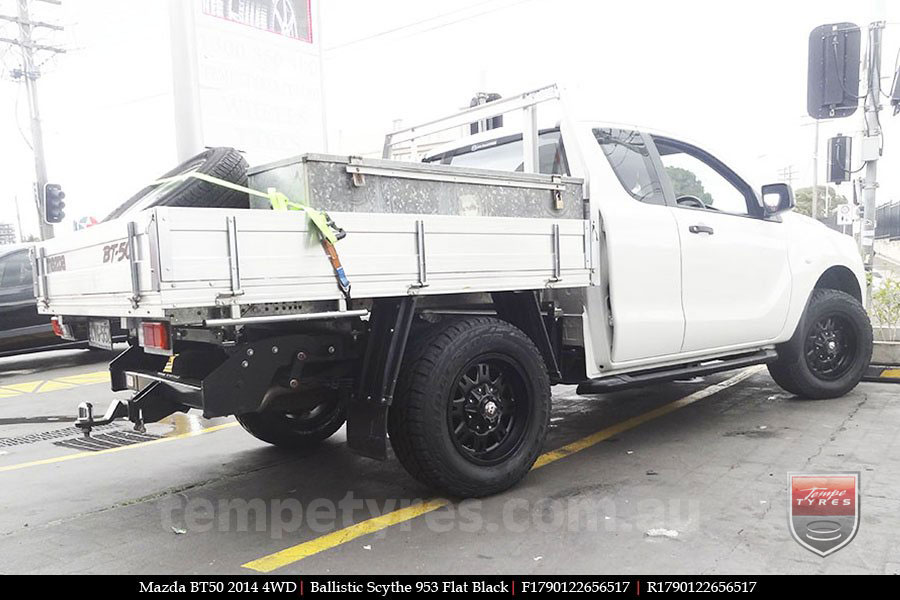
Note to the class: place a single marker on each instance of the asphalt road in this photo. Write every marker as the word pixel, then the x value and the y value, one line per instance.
pixel 688 477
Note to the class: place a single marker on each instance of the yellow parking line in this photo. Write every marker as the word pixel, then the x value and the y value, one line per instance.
pixel 85 378
pixel 890 373
pixel 52 385
pixel 269 563
pixel 23 388
pixel 59 459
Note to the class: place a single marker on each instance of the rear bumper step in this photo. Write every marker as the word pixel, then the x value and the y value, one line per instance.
pixel 631 380
pixel 237 385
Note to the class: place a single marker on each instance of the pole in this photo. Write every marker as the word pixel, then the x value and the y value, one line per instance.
pixel 873 132
pixel 317 6
pixel 19 220
pixel 37 133
pixel 185 80
pixel 815 179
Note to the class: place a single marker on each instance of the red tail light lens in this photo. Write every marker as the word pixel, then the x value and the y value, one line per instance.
pixel 156 335
pixel 57 328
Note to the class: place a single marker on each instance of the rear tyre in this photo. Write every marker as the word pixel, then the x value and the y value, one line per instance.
pixel 300 429
pixel 222 163
pixel 829 352
pixel 472 407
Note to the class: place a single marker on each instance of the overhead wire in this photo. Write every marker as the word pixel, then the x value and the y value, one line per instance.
pixel 400 28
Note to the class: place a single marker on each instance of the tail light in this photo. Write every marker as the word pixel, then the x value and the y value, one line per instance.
pixel 156 336
pixel 57 326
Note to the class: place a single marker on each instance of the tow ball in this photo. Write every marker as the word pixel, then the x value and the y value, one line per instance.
pixel 117 409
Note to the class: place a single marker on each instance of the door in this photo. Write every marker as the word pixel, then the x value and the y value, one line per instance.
pixel 736 282
pixel 19 319
pixel 642 247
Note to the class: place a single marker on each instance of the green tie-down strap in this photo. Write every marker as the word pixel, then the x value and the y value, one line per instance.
pixel 278 200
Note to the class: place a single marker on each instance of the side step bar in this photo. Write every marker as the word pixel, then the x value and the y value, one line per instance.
pixel 631 380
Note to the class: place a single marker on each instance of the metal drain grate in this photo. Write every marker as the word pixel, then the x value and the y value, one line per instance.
pixel 53 434
pixel 105 441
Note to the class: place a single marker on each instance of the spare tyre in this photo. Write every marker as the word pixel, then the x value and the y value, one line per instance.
pixel 222 163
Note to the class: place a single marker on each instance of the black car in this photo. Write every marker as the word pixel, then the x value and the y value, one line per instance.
pixel 22 329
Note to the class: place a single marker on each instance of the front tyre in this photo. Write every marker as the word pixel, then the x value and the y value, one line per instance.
pixel 472 407
pixel 829 352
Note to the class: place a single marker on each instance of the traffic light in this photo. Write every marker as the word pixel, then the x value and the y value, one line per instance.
pixel 53 203
pixel 833 75
pixel 838 166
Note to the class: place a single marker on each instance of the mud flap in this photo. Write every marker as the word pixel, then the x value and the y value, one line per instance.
pixel 523 310
pixel 367 413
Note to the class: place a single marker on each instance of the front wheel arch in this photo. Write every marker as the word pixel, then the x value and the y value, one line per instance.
pixel 842 279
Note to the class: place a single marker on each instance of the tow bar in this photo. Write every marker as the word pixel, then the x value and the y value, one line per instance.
pixel 117 409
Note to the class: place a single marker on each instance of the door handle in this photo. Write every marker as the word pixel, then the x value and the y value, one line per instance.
pixel 701 229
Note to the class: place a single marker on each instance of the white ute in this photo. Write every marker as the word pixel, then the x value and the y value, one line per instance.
pixel 587 253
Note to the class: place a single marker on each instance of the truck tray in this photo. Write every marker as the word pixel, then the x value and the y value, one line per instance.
pixel 176 263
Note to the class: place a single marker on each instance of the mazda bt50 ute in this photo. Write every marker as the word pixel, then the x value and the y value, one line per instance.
pixel 434 303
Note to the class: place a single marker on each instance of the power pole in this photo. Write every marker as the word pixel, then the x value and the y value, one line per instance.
pixel 787 175
pixel 19 220
pixel 815 177
pixel 30 73
pixel 871 149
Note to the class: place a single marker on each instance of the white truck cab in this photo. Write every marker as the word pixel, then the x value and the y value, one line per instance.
pixel 693 262
pixel 589 253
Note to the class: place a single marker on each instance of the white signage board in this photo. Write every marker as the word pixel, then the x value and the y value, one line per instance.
pixel 844 214
pixel 258 76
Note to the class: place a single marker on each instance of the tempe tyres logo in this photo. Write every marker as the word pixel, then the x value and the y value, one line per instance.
pixel 824 510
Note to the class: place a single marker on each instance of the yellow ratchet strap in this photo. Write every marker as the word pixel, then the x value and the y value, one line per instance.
pixel 278 200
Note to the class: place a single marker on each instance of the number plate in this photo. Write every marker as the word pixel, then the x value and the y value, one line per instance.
pixel 100 335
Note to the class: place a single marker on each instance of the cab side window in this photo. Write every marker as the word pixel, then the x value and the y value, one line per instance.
pixel 702 182
pixel 630 160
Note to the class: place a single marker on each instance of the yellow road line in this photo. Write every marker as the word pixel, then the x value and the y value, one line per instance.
pixel 52 385
pixel 66 457
pixel 269 563
pixel 23 388
pixel 85 378
pixel 890 373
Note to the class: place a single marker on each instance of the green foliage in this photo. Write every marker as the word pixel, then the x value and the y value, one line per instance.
pixel 686 183
pixel 886 306
pixel 803 198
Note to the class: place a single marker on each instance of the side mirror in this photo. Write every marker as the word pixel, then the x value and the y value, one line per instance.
pixel 777 198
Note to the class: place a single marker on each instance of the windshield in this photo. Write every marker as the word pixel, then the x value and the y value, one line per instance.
pixel 505 154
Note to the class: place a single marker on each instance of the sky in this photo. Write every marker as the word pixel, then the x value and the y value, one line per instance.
pixel 729 76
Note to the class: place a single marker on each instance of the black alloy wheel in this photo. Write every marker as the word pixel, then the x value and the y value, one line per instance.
pixel 830 347
pixel 488 411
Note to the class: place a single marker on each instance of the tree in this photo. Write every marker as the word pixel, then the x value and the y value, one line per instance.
pixel 685 183
pixel 803 198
